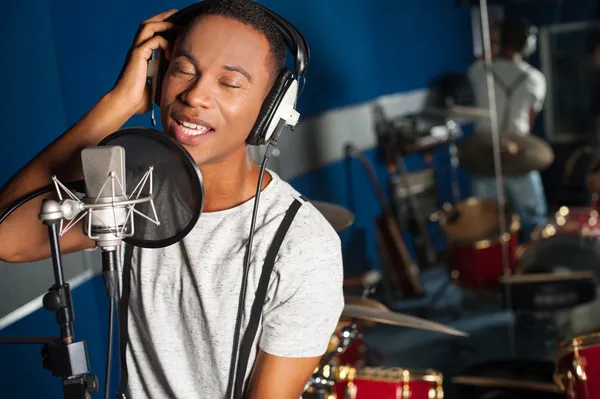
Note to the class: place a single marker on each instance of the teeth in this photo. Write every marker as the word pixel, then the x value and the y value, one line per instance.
pixel 192 129
pixel 190 125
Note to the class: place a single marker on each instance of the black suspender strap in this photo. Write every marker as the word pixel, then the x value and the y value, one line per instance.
pixel 261 294
pixel 508 92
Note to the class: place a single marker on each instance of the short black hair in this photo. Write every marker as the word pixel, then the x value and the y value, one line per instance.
pixel 252 14
pixel 514 33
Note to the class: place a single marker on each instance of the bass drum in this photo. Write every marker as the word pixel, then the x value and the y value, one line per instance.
pixel 508 379
pixel 568 243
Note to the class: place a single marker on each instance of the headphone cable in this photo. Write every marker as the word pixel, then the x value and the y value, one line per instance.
pixel 247 260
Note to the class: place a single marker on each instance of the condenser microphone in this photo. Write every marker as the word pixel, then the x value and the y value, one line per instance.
pixel 104 178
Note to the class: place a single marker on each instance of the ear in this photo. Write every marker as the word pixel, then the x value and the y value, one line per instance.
pixel 169 52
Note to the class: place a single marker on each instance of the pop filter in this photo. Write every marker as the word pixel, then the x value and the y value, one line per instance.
pixel 176 185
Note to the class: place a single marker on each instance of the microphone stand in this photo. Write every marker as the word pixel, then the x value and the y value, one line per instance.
pixel 63 356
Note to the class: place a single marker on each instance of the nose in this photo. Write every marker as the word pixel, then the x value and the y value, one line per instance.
pixel 198 94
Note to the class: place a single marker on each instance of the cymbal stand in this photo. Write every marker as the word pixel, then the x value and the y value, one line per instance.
pixel 454 163
pixel 63 356
pixel 322 382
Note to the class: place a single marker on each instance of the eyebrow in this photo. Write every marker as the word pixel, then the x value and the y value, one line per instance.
pixel 232 68
pixel 238 69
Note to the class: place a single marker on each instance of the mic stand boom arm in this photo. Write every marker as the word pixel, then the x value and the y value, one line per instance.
pixel 65 358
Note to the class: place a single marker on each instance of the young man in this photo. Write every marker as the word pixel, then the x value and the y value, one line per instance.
pixel 183 299
pixel 520 92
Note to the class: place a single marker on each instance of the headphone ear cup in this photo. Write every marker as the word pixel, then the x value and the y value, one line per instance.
pixel 262 131
pixel 158 77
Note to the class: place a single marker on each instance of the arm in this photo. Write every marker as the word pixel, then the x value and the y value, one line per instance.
pixel 24 238
pixel 276 377
pixel 539 96
pixel 300 318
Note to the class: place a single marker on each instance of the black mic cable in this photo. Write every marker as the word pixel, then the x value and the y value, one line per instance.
pixel 247 259
pixel 77 186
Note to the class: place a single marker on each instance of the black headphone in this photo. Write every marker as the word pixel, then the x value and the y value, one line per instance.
pixel 523 28
pixel 279 107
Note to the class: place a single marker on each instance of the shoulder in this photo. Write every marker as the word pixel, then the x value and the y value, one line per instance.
pixel 535 76
pixel 309 224
pixel 311 245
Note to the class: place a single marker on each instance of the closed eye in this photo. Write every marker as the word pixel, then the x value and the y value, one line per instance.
pixel 230 85
pixel 180 70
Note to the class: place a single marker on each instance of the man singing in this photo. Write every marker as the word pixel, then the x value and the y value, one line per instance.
pixel 183 301
pixel 520 92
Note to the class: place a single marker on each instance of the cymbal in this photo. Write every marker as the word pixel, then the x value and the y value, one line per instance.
pixel 494 382
pixel 365 302
pixel 459 111
pixel 355 311
pixel 372 277
pixel 338 216
pixel 519 154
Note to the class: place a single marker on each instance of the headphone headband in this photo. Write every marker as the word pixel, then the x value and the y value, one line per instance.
pixel 291 36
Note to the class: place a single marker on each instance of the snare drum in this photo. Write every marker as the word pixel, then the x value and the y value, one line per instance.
pixel 473 235
pixel 388 383
pixel 577 367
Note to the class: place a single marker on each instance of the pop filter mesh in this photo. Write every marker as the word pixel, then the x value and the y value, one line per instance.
pixel 176 185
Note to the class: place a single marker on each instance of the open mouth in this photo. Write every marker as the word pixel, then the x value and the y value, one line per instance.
pixel 191 129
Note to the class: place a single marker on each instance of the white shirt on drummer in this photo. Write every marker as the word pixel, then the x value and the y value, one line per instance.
pixel 184 298
pixel 530 94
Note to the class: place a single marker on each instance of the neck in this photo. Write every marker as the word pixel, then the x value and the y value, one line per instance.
pixel 510 55
pixel 231 182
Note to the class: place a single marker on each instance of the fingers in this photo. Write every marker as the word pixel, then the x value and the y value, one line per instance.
pixel 161 17
pixel 145 49
pixel 149 29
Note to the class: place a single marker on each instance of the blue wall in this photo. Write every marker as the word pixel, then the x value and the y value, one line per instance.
pixel 69 53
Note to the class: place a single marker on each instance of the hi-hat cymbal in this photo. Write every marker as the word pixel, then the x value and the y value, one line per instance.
pixel 355 311
pixel 493 382
pixel 338 216
pixel 519 154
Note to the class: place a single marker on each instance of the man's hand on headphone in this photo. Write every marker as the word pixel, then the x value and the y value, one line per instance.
pixel 132 83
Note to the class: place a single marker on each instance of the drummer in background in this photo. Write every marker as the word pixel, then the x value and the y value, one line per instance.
pixel 520 93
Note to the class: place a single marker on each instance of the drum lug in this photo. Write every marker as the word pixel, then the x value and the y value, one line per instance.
pixel 578 367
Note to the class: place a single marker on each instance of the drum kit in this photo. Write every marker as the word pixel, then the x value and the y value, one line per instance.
pixel 475 241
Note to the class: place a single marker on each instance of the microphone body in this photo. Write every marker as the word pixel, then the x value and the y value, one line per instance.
pixel 104 177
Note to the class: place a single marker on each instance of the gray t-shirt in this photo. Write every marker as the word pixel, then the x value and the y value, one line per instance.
pixel 183 299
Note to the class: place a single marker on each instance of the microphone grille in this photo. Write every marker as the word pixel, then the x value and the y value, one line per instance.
pixel 97 164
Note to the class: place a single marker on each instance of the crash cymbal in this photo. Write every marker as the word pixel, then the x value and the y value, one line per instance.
pixel 519 154
pixel 493 382
pixel 396 319
pixel 338 216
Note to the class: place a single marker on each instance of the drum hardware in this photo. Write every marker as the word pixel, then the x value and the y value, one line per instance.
pixel 519 154
pixel 576 368
pixel 338 216
pixel 321 383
